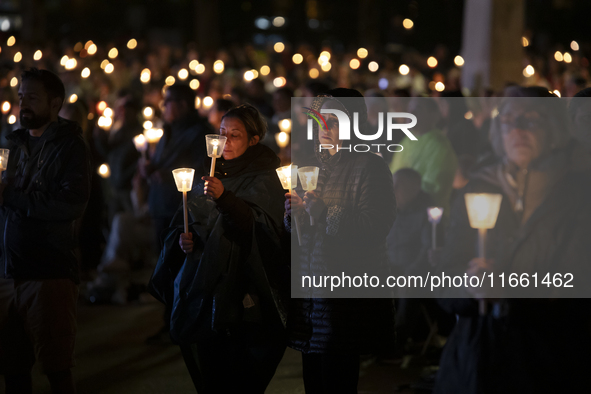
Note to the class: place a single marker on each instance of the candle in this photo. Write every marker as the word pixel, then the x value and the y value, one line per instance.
pixel 183 178
pixel 285 176
pixel 435 214
pixel 483 210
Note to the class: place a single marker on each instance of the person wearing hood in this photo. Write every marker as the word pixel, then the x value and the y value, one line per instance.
pixel 44 190
pixel 228 281
pixel 353 208
pixel 503 342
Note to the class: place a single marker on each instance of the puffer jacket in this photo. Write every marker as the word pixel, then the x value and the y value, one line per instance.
pixel 528 345
pixel 358 192
pixel 46 191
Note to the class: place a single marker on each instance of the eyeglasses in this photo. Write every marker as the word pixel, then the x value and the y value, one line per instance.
pixel 531 121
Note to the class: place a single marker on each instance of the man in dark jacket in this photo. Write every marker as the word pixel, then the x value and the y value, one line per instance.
pixel 181 146
pixel 44 190
pixel 118 149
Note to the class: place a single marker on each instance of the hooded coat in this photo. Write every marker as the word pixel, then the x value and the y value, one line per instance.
pixel 47 190
pixel 350 237
pixel 236 252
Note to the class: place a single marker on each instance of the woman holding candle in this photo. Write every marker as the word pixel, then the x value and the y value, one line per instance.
pixel 227 313
pixel 353 208
pixel 516 344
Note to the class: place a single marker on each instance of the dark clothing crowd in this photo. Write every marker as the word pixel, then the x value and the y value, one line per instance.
pixel 223 254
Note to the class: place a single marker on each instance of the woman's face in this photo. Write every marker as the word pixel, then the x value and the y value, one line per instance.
pixel 237 138
pixel 330 136
pixel 523 134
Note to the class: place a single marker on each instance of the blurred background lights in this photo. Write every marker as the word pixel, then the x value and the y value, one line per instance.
pixel 265 70
pixel 279 82
pixel 218 67
pixel 403 69
pixel 145 75
pixel 279 47
pixel 71 64
pixel 183 73
pixel 278 21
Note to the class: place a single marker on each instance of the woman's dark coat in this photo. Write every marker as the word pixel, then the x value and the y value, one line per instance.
pixel 236 251
pixel 528 345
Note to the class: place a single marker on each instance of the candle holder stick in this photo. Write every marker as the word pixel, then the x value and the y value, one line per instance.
pixel 183 177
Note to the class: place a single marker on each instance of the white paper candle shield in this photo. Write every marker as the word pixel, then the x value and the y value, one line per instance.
pixel 288 176
pixel 153 135
pixel 215 145
pixel 183 177
pixel 483 209
pixel 308 177
pixel 3 158
pixel 435 214
pixel 140 142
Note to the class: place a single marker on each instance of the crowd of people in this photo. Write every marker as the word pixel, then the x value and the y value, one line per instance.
pixel 226 281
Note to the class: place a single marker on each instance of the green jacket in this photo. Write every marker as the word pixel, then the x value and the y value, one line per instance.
pixel 433 157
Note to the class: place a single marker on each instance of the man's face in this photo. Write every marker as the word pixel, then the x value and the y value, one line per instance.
pixel 523 134
pixel 35 105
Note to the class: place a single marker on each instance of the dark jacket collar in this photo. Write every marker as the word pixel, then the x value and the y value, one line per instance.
pixel 257 158
pixel 62 127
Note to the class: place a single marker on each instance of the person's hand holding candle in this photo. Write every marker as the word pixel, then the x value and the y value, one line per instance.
pixel 214 188
pixel 186 242
pixel 313 204
pixel 294 203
